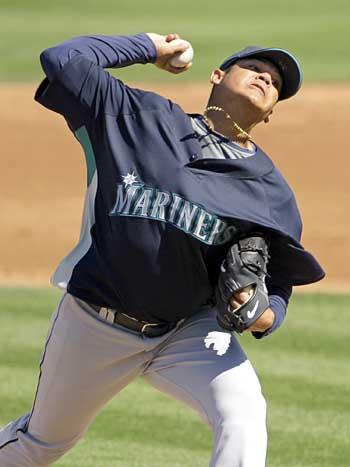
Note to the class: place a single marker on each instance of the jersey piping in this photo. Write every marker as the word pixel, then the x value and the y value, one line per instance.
pixel 63 273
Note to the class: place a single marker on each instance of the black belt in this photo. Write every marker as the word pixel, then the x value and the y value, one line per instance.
pixel 144 328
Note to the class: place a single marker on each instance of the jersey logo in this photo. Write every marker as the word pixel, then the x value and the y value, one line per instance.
pixel 219 340
pixel 129 179
pixel 134 199
pixel 251 313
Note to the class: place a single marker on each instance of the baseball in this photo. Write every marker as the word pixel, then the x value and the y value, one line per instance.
pixel 181 59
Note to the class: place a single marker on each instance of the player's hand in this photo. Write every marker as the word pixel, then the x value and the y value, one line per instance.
pixel 264 322
pixel 165 51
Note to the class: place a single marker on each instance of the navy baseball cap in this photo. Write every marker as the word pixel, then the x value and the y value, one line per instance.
pixel 287 64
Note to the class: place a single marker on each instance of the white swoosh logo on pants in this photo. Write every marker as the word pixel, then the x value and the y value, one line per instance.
pixel 251 313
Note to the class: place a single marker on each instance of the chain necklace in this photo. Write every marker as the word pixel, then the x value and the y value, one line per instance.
pixel 241 133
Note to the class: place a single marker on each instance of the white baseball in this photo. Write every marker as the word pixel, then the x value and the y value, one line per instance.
pixel 181 59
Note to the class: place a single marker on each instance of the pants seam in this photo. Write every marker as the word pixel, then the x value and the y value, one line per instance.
pixel 25 429
pixel 9 442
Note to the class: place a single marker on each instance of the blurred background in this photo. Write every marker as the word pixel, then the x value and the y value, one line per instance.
pixel 304 367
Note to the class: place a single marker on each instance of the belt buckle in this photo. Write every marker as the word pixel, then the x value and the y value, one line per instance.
pixel 144 325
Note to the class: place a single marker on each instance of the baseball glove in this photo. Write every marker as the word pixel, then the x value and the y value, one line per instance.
pixel 244 266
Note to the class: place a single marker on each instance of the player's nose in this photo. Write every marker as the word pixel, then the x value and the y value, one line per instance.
pixel 266 77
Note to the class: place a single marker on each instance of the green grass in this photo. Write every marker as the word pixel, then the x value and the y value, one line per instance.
pixel 304 370
pixel 317 32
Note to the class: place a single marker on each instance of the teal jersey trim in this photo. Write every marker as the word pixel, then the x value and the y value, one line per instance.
pixel 84 139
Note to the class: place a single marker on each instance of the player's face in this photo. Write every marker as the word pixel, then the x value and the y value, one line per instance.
pixel 256 80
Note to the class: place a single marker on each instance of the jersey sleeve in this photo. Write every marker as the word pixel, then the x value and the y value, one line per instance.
pixel 77 85
pixel 279 298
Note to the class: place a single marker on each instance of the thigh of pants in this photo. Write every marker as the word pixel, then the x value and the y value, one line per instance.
pixel 206 368
pixel 85 363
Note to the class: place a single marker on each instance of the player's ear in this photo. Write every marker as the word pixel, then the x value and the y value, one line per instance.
pixel 217 76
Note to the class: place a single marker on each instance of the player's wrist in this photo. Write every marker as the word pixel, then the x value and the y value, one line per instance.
pixel 264 323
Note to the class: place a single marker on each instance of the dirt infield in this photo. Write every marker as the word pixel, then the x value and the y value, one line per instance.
pixel 43 177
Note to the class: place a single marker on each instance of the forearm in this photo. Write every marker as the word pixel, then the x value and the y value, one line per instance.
pixel 105 51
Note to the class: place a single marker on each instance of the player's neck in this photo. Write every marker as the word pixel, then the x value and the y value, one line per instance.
pixel 231 125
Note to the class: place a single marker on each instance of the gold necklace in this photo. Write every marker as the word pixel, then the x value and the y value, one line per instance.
pixel 228 116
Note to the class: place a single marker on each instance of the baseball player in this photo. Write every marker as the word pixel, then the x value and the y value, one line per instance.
pixel 189 234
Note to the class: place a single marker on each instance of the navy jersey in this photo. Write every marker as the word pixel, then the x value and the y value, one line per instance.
pixel 158 218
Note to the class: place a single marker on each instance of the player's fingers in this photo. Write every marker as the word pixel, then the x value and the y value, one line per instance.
pixel 171 37
pixel 234 303
pixel 177 70
pixel 186 67
pixel 178 47
pixel 241 297
pixel 244 294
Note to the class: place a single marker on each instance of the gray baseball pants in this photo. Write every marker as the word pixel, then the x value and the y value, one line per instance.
pixel 87 361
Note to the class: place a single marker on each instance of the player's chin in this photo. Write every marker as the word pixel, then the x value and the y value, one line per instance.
pixel 261 103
